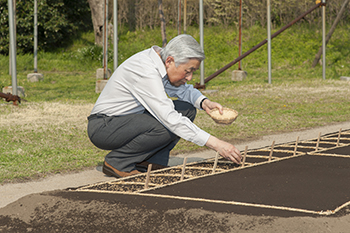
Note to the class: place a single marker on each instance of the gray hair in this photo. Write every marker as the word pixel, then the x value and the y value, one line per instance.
pixel 182 48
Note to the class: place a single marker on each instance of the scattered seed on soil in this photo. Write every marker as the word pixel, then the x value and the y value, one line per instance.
pixel 118 187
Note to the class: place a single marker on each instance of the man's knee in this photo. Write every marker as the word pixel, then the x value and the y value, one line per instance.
pixel 186 109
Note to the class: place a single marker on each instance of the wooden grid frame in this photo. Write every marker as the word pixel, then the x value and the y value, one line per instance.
pixel 195 170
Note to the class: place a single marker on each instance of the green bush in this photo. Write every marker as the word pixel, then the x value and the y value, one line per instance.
pixel 57 22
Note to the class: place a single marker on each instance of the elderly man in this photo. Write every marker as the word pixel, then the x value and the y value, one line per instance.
pixel 135 118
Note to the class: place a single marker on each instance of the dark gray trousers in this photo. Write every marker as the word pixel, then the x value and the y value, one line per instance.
pixel 135 138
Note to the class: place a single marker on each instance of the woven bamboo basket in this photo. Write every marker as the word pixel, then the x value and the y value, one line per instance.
pixel 228 116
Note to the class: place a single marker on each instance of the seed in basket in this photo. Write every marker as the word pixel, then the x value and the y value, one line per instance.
pixel 228 116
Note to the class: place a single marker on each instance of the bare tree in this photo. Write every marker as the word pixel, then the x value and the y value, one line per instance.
pixel 139 14
pixel 96 7
pixel 97 16
pixel 132 15
pixel 162 22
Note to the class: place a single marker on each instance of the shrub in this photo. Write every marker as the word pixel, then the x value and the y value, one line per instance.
pixel 57 21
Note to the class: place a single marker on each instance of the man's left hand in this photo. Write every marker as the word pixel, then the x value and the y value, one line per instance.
pixel 208 105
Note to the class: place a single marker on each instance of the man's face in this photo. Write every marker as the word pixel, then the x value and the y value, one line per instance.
pixel 180 75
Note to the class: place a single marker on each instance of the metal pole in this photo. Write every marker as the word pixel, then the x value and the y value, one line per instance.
pixel 324 39
pixel 201 38
pixel 269 39
pixel 12 47
pixel 241 26
pixel 35 36
pixel 115 34
pixel 240 33
pixel 105 40
pixel 14 16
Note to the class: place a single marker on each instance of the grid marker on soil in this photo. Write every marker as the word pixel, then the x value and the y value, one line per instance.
pixel 318 141
pixel 296 146
pixel 148 174
pixel 338 137
pixel 271 152
pixel 244 155
pixel 183 169
pixel 216 161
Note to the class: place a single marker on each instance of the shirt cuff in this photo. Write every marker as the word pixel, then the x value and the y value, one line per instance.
pixel 197 104
pixel 201 104
pixel 201 138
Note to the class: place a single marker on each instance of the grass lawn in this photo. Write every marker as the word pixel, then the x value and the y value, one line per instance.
pixel 47 134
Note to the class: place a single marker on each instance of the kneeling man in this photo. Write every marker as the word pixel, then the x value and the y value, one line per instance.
pixel 135 118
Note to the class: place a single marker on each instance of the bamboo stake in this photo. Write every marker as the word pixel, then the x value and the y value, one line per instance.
pixel 318 141
pixel 271 152
pixel 244 155
pixel 148 174
pixel 296 146
pixel 216 161
pixel 183 169
pixel 339 137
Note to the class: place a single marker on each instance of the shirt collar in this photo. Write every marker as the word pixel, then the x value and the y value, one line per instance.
pixel 158 61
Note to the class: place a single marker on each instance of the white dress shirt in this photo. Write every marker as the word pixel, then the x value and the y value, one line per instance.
pixel 141 83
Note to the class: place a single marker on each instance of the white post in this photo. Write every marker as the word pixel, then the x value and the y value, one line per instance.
pixel 201 38
pixel 115 34
pixel 269 39
pixel 240 34
pixel 35 36
pixel 324 39
pixel 34 77
pixel 105 41
pixel 12 47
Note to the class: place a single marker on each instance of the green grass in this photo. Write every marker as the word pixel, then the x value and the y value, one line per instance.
pixel 47 134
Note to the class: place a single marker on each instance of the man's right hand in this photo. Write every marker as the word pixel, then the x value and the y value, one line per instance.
pixel 225 149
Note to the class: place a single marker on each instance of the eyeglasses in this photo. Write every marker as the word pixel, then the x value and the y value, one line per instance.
pixel 188 73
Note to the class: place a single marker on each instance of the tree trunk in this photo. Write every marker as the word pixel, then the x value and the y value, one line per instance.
pixel 132 15
pixel 97 16
pixel 329 35
pixel 162 22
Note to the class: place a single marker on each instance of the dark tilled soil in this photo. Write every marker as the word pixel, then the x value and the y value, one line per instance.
pixel 307 182
pixel 310 181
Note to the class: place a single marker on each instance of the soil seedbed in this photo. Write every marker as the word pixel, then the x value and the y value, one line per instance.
pixel 285 148
pixel 341 150
pixel 220 165
pixel 343 139
pixel 157 179
pixel 305 149
pixel 175 170
pixel 118 187
pixel 320 145
pixel 198 171
pixel 250 160
pixel 335 139
pixel 345 135
pixel 255 160
pixel 276 153
pixel 300 183
pixel 189 172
